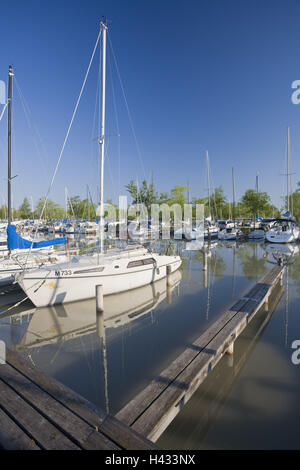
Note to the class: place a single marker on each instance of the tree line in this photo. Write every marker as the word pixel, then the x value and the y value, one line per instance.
pixel 251 204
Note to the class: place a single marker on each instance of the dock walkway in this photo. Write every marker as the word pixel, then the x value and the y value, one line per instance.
pixel 37 412
pixel 153 409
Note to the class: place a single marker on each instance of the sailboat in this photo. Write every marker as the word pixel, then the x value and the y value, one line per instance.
pixel 116 270
pixel 284 230
pixel 230 232
pixel 19 253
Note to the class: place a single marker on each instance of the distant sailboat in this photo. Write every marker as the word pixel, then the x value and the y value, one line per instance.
pixel 285 230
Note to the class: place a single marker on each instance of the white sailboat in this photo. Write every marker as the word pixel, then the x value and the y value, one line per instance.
pixel 284 230
pixel 117 270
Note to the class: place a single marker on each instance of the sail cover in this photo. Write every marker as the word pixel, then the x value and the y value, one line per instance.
pixel 15 241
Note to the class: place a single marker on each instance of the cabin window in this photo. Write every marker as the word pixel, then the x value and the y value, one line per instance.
pixel 92 270
pixel 149 261
pixel 141 262
pixel 134 264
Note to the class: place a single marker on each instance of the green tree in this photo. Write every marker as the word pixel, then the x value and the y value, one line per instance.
pixel 52 209
pixel 144 195
pixel 178 195
pixel 24 211
pixel 255 203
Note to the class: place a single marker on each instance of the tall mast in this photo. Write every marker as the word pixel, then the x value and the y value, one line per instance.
pixel 288 169
pixel 208 182
pixel 102 136
pixel 233 197
pixel 10 91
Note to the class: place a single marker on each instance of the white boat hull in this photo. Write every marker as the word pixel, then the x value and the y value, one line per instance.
pixel 71 282
pixel 289 236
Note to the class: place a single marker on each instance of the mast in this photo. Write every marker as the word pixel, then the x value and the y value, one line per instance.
pixel 66 202
pixel 233 197
pixel 10 91
pixel 208 181
pixel 102 136
pixel 288 169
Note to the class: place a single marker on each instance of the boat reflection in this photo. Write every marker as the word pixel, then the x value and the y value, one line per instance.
pixel 282 252
pixel 64 322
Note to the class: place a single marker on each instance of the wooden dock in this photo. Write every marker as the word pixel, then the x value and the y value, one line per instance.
pixel 37 412
pixel 153 409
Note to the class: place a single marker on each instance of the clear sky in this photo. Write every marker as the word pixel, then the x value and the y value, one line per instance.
pixel 198 74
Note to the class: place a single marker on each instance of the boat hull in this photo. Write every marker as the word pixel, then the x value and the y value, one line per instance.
pixel 56 288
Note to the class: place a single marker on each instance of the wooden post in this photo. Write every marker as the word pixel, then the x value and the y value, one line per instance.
pixel 168 272
pixel 266 306
pixel 230 349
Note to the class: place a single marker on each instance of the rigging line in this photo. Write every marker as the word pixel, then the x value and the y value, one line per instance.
pixel 71 122
pixel 117 124
pixel 127 108
pixel 107 159
pixel 3 110
pixel 66 138
pixel 30 124
pixel 94 120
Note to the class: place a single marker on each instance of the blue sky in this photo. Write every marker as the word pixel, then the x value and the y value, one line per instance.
pixel 197 75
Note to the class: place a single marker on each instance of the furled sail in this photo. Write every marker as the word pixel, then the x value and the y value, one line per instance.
pixel 16 242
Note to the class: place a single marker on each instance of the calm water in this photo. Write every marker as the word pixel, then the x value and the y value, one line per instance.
pixel 248 402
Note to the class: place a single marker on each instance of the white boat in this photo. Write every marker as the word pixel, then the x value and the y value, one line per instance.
pixel 283 231
pixel 189 232
pixel 225 223
pixel 117 271
pixel 57 227
pixel 229 234
pixel 18 262
pixel 211 230
pixel 257 234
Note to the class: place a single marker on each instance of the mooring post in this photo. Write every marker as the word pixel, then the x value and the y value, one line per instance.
pixel 266 306
pixel 168 272
pixel 230 349
pixel 99 311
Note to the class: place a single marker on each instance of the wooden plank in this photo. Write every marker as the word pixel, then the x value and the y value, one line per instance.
pixel 42 431
pixel 83 434
pixel 75 402
pixel 12 437
pixel 125 436
pixel 89 412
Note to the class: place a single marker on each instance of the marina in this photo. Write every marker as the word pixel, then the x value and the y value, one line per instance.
pixel 149 228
